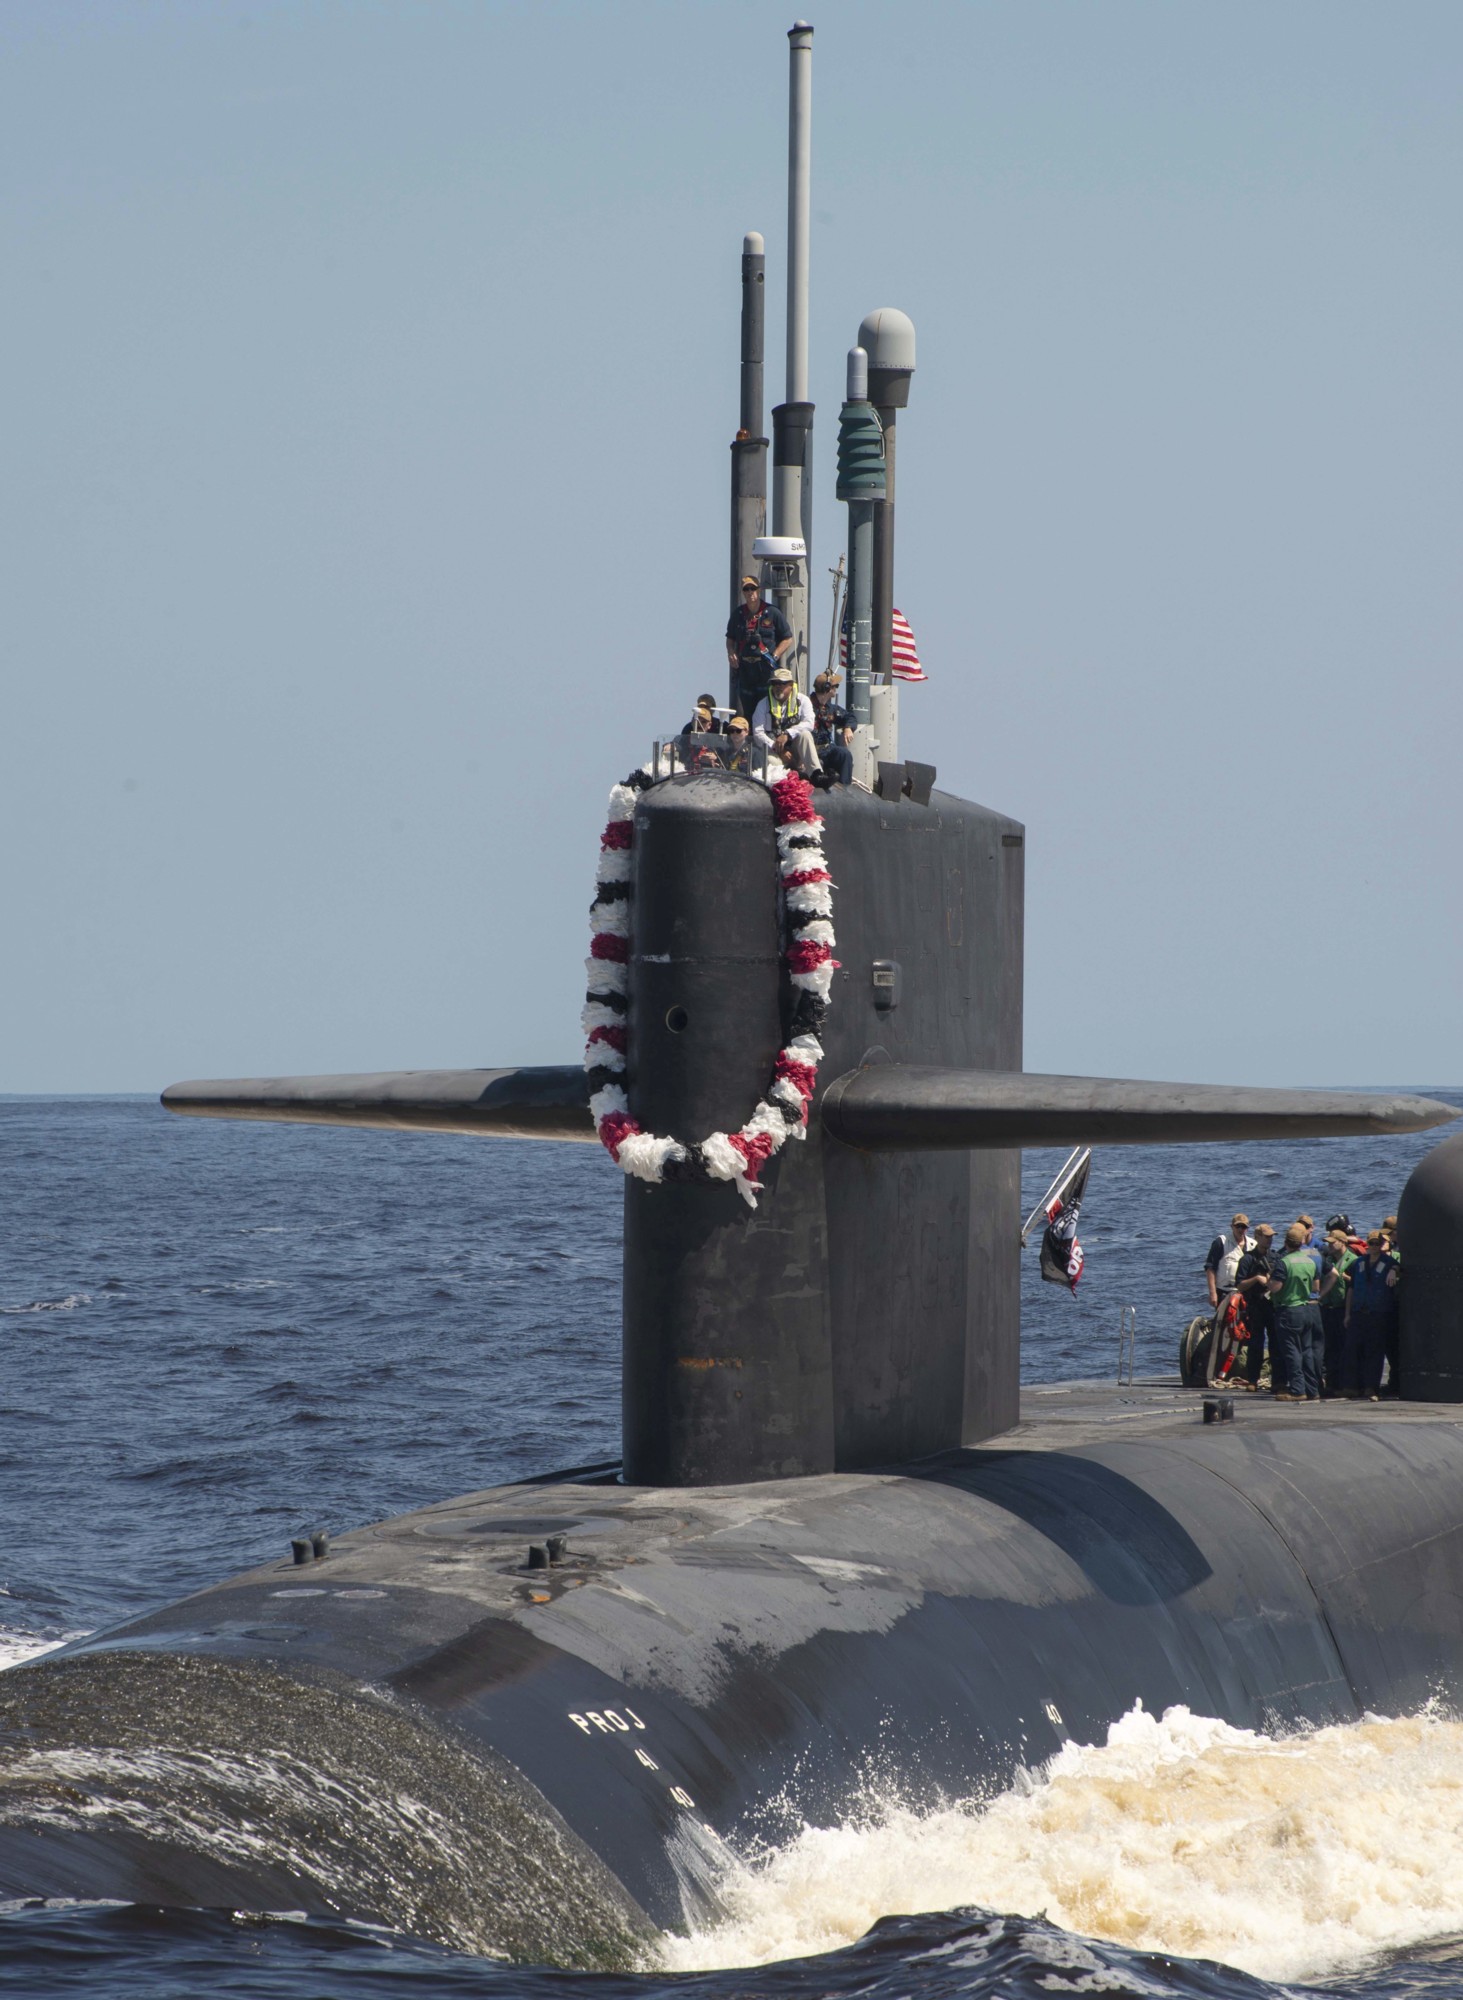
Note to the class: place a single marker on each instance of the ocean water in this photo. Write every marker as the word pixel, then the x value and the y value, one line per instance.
pixel 215 1335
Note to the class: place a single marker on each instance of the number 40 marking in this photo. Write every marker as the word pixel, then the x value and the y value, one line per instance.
pixel 609 1722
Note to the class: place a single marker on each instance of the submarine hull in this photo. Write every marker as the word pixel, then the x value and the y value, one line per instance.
pixel 553 1764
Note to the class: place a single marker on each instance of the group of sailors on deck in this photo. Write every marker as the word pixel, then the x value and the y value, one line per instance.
pixel 1328 1311
pixel 795 733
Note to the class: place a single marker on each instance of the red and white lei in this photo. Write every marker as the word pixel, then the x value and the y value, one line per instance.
pixel 807 950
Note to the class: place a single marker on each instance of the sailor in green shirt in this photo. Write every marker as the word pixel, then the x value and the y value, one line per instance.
pixel 1297 1319
pixel 1294 1282
pixel 1336 1262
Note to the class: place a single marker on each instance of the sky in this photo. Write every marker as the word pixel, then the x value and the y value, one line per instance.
pixel 368 372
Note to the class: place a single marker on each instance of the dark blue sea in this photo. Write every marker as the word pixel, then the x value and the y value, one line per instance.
pixel 213 1336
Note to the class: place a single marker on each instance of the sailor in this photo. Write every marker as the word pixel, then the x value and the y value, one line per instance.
pixel 783 722
pixel 1394 1251
pixel 757 636
pixel 738 757
pixel 703 719
pixel 1310 1246
pixel 1338 1259
pixel 1371 1315
pixel 1297 1321
pixel 1223 1259
pixel 832 730
pixel 1252 1282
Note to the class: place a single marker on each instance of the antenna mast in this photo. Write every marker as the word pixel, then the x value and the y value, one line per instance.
pixel 792 420
pixel 749 447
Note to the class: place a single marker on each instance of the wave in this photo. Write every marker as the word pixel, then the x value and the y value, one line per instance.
pixel 16 1647
pixel 72 1300
pixel 1295 1858
pixel 141 1952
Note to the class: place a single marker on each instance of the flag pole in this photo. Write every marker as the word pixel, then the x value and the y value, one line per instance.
pixel 1075 1161
pixel 837 576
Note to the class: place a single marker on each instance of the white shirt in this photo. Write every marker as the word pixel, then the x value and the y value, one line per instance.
pixel 762 720
pixel 1229 1258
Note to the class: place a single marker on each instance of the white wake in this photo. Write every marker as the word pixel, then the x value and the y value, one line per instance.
pixel 1293 1859
pixel 17 1647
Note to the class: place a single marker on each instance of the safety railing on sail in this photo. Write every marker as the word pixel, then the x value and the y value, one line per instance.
pixel 710 751
pixel 1127 1345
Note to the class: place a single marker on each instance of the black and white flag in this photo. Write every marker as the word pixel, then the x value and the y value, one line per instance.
pixel 1061 1253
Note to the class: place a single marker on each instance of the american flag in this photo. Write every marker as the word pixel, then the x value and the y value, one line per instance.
pixel 906 657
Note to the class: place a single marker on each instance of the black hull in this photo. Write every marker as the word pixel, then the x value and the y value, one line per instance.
pixel 605 1725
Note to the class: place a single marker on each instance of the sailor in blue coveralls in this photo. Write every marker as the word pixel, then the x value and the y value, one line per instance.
pixel 757 636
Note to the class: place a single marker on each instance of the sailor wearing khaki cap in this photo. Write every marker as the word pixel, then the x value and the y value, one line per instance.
pixel 738 736
pixel 1224 1255
pixel 705 719
pixel 783 722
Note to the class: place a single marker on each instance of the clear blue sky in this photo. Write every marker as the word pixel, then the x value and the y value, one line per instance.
pixel 368 374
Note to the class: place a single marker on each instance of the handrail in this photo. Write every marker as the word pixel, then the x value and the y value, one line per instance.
pixel 1127 1344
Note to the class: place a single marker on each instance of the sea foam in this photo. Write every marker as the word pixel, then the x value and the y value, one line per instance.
pixel 1292 1858
pixel 17 1647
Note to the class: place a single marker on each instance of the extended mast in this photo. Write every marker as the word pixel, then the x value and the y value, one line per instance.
pixel 792 420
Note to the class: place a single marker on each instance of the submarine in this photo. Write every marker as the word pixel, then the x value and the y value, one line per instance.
pixel 843 1547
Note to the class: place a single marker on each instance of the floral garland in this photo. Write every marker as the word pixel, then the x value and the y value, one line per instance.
pixel 807 900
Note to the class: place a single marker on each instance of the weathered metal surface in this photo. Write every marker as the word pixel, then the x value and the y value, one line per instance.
pixel 1430 1226
pixel 725 1337
pixel 696 1654
pixel 868 1310
pixel 543 1103
pixel 749 447
pixel 919 1106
